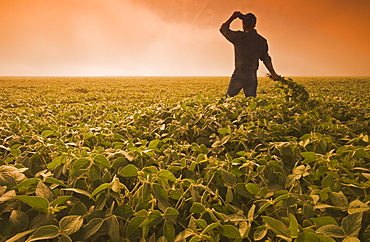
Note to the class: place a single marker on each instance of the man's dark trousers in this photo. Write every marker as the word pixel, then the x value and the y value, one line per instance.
pixel 245 79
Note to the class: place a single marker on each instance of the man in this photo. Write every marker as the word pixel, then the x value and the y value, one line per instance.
pixel 249 47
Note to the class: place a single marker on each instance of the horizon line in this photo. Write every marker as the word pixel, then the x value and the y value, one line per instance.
pixel 116 76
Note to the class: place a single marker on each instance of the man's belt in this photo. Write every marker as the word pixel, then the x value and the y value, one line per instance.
pixel 245 69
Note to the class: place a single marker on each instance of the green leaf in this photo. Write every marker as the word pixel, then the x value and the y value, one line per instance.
pixel 211 227
pixel 278 227
pixel 253 106
pixel 38 203
pixel 45 232
pixel 264 207
pixel 70 224
pixel 171 214
pixel 154 218
pixel 76 190
pixel 129 156
pixel 27 184
pixel 149 170
pixel 19 236
pixel 44 191
pixel 352 224
pixel 260 233
pixel 113 228
pixel 252 188
pixel 167 175
pixel 9 195
pixel 169 231
pixel 19 220
pixel 146 189
pixel 229 178
pixel 225 130
pixel 134 225
pixel 324 193
pixel 324 238
pixel 101 188
pixel 339 199
pixel 309 157
pixel 142 213
pixel 293 226
pixel 351 239
pixel 244 229
pixel 101 161
pixel 153 144
pixel 79 164
pixel 116 185
pixel 195 238
pixel 159 192
pixel 325 220
pixel 15 152
pixel 308 236
pixel 229 195
pixel 65 238
pixel 241 189
pixel 197 208
pixel 204 149
pixel 94 172
pixel 251 213
pixel 89 229
pixel 366 175
pixel 230 231
pixel 308 211
pixel 41 219
pixel 52 180
pixel 201 223
pixel 366 234
pixel 57 161
pixel 331 230
pixel 284 196
pixel 47 133
pixel 236 218
pixel 328 181
pixel 184 234
pixel 60 200
pixel 129 170
pixel 357 206
pixel 123 211
pixel 78 209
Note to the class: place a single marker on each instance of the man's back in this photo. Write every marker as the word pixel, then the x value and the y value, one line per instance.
pixel 250 47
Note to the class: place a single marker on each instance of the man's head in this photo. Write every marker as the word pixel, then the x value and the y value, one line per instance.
pixel 249 20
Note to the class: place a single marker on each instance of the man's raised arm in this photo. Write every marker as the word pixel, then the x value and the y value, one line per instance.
pixel 225 27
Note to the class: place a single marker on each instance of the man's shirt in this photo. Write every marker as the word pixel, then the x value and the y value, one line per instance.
pixel 249 47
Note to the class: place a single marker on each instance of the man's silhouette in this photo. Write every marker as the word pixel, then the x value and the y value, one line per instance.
pixel 249 47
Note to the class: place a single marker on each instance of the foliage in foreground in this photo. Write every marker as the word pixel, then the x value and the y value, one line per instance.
pixel 265 169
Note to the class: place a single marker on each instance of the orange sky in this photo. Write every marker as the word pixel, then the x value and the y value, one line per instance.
pixel 179 37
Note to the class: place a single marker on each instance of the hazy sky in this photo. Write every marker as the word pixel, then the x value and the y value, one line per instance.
pixel 179 37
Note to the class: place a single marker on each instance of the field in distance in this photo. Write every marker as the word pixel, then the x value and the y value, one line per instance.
pixel 170 159
pixel 149 90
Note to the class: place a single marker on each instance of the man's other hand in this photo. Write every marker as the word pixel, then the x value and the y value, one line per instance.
pixel 275 77
pixel 236 14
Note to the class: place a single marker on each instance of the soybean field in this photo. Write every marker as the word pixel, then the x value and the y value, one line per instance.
pixel 171 159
